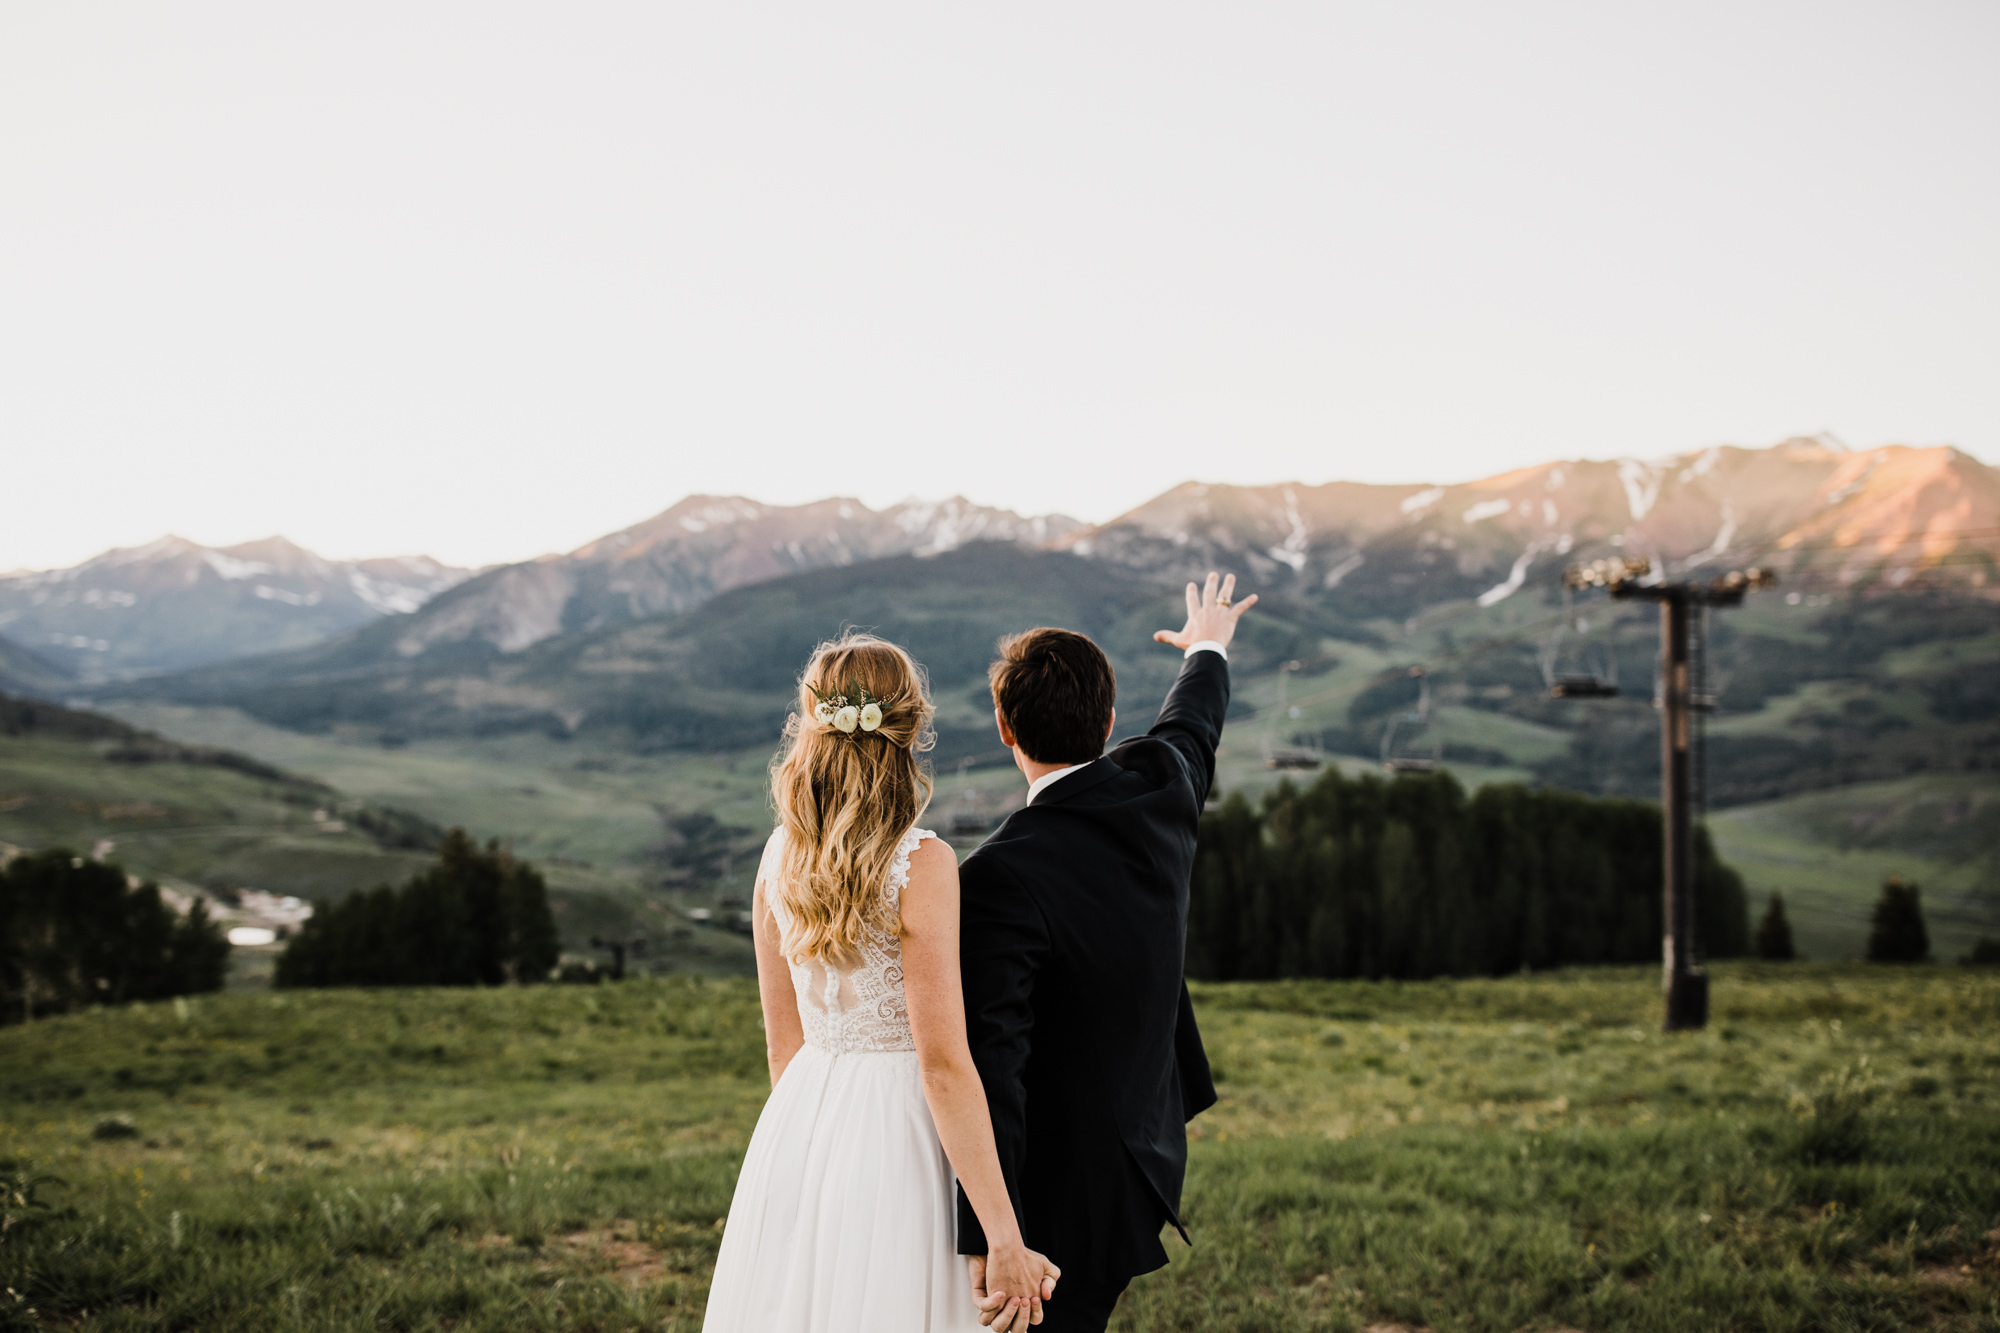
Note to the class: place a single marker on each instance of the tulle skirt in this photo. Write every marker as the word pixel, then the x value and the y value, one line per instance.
pixel 845 1217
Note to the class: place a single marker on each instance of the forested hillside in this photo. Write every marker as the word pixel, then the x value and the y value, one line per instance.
pixel 1411 878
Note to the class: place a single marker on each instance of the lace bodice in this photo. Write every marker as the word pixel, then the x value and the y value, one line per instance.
pixel 859 1008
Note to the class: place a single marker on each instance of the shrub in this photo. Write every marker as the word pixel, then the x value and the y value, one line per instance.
pixel 1898 934
pixel 1986 953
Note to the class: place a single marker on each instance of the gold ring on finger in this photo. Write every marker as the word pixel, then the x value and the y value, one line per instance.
pixel 1222 601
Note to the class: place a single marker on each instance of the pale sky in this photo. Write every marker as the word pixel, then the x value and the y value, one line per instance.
pixel 488 280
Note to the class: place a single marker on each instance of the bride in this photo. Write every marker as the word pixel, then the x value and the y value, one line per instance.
pixel 844 1211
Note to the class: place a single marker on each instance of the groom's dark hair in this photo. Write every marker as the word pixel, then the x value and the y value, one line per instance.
pixel 1055 689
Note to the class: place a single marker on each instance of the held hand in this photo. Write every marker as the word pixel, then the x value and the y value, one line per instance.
pixel 1032 1278
pixel 1210 615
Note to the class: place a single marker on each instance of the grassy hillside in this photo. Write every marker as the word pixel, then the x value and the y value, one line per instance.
pixel 1491 1155
pixel 25 672
pixel 189 815
pixel 207 819
pixel 579 810
pixel 1829 852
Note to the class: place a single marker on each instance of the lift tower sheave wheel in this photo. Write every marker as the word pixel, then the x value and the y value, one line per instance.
pixel 1684 977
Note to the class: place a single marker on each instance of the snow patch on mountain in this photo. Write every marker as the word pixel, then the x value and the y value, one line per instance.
pixel 233 569
pixel 1516 577
pixel 1720 546
pixel 1343 569
pixel 1703 465
pixel 1292 551
pixel 1642 485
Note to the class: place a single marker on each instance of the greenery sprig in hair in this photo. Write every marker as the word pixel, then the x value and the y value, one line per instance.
pixel 846 712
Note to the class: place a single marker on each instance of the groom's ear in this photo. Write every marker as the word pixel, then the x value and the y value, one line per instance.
pixel 1006 734
pixel 1111 726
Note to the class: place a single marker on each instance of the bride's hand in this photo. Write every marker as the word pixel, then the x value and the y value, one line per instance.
pixel 1009 1286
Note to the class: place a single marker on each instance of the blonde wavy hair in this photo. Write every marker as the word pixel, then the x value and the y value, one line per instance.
pixel 845 799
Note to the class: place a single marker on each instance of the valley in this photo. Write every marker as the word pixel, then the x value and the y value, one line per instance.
pixel 611 712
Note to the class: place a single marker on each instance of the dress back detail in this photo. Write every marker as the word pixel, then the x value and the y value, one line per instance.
pixel 860 1007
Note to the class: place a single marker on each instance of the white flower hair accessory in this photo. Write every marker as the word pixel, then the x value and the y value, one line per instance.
pixel 847 713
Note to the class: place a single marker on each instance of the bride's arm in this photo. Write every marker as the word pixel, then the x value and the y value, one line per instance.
pixel 951 1082
pixel 782 1034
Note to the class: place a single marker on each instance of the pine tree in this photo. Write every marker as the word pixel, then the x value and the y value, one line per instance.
pixel 1412 878
pixel 1898 934
pixel 74 932
pixel 1774 933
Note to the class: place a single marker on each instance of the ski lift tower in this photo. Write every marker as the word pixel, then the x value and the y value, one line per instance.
pixel 1685 979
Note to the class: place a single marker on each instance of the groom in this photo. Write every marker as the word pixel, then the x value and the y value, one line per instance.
pixel 1073 926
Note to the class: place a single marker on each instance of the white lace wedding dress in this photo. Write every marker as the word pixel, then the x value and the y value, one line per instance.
pixel 845 1216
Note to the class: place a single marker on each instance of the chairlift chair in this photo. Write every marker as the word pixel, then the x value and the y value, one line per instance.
pixel 1410 744
pixel 1308 756
pixel 969 816
pixel 1598 681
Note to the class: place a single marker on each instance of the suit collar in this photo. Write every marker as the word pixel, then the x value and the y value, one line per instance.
pixel 1079 779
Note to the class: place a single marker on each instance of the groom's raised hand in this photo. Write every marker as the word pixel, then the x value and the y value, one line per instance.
pixel 1212 615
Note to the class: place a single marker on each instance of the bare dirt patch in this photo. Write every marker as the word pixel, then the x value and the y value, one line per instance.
pixel 617 1252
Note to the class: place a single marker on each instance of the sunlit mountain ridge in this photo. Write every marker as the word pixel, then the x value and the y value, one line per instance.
pixel 1826 518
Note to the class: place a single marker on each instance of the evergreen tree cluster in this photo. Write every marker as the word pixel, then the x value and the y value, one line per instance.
pixel 1410 878
pixel 75 933
pixel 477 917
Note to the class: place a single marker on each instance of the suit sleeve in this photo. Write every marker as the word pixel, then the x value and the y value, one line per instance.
pixel 1003 946
pixel 1191 718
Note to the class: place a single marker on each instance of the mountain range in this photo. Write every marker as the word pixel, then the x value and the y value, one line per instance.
pixel 1813 511
pixel 682 632
pixel 415 648
pixel 1822 516
pixel 173 604
pixel 701 547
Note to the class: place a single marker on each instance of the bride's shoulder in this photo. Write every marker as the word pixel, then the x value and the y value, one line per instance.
pixel 774 851
pixel 931 855
pixel 929 882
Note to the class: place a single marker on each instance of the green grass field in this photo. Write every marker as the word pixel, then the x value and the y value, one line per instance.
pixel 1527 1153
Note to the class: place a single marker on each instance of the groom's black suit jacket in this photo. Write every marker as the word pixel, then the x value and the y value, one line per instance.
pixel 1073 930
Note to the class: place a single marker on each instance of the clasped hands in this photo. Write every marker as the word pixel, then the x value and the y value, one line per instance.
pixel 1009 1286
